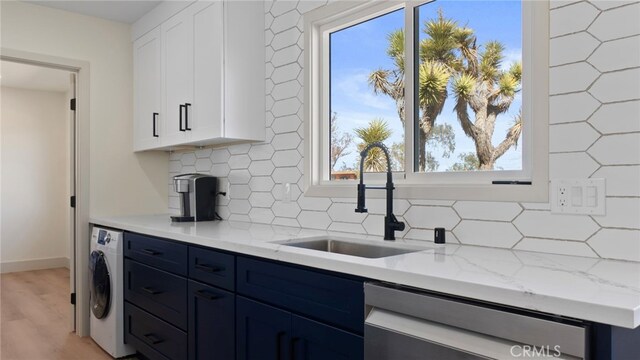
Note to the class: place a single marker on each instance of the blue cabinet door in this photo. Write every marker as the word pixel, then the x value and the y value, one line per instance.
pixel 211 323
pixel 312 340
pixel 262 331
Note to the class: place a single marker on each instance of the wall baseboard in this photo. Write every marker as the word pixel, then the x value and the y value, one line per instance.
pixel 34 264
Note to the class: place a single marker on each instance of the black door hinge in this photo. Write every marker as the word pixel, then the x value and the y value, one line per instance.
pixel 72 104
pixel 73 298
pixel 73 201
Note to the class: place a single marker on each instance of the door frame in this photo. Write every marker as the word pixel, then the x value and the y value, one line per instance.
pixel 82 158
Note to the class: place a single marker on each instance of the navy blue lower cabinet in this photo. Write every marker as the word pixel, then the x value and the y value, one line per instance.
pixel 262 331
pixel 265 332
pixel 211 323
pixel 312 340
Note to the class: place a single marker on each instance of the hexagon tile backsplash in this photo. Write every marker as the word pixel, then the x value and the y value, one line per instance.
pixel 594 132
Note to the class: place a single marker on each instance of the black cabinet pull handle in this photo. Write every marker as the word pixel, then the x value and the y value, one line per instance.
pixel 208 268
pixel 203 294
pixel 279 344
pixel 292 348
pixel 151 252
pixel 186 116
pixel 180 120
pixel 154 340
pixel 155 120
pixel 151 291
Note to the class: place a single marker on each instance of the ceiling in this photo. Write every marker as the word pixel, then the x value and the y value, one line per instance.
pixel 33 77
pixel 114 10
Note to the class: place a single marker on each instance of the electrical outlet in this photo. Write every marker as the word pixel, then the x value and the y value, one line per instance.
pixel 578 196
pixel 562 202
pixel 562 194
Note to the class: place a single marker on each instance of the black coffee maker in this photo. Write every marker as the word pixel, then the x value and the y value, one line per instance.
pixel 197 197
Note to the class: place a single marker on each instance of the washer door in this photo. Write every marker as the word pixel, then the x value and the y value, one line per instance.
pixel 100 284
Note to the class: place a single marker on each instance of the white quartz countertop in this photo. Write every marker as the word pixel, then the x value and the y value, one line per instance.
pixel 604 291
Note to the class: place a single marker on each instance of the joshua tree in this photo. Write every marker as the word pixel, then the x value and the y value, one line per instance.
pixel 488 91
pixel 469 162
pixel 340 141
pixel 377 130
pixel 442 53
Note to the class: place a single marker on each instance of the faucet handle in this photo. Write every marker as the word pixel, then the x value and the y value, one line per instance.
pixel 361 207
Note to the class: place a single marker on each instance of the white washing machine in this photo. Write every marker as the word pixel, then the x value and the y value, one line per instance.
pixel 106 287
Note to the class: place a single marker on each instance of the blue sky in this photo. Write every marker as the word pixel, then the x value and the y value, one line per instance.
pixel 361 49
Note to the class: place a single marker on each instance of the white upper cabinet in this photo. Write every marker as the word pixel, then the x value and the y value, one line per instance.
pixel 207 111
pixel 210 82
pixel 177 61
pixel 147 94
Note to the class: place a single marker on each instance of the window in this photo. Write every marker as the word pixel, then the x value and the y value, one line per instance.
pixel 446 85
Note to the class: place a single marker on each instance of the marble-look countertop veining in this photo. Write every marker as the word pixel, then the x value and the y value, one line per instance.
pixel 604 291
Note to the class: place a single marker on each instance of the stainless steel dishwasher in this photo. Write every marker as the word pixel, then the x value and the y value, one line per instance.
pixel 403 323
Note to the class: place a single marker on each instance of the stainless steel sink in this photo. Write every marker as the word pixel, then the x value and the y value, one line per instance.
pixel 351 248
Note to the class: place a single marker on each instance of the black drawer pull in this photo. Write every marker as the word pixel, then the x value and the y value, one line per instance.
pixel 180 118
pixel 151 291
pixel 209 268
pixel 292 348
pixel 205 295
pixel 155 120
pixel 186 116
pixel 153 339
pixel 279 344
pixel 151 252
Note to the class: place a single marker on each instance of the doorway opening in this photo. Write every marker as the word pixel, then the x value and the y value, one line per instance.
pixel 43 173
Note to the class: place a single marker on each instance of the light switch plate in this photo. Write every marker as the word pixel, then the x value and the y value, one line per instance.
pixel 578 196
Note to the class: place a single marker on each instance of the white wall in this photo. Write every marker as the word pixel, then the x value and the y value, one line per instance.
pixel 121 182
pixel 35 177
pixel 594 132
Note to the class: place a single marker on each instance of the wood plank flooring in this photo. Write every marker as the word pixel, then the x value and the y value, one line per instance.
pixel 34 319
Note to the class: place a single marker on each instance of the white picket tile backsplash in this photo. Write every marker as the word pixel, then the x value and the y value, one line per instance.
pixel 617 86
pixel 572 107
pixel 614 118
pixel 487 233
pixel 571 48
pixel 595 132
pixel 617 244
pixel 571 19
pixel 571 78
pixel 617 54
pixel 617 23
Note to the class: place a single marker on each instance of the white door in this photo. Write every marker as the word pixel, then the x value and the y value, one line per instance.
pixel 147 80
pixel 177 49
pixel 206 114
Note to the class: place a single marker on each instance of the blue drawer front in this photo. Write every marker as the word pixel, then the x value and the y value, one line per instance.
pixel 212 267
pixel 153 337
pixel 152 251
pixel 159 292
pixel 327 298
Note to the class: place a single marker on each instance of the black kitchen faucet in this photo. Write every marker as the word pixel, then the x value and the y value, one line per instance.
pixel 391 224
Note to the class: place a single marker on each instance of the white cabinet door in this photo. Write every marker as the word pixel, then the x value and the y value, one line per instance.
pixel 177 48
pixel 147 91
pixel 206 113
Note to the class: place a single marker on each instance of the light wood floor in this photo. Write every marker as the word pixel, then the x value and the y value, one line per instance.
pixel 34 318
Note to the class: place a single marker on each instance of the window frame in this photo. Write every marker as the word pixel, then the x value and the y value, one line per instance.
pixel 472 185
